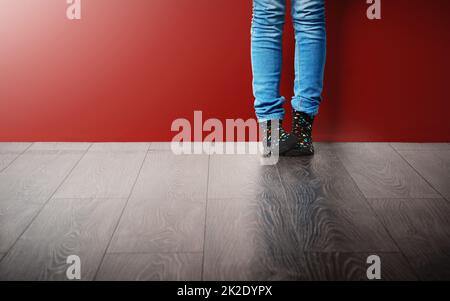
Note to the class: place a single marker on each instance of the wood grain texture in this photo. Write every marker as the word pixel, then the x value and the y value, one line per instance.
pixel 161 225
pixel 35 175
pixel 15 216
pixel 13 147
pixel 151 267
pixel 209 148
pixel 421 146
pixel 166 212
pixel 159 146
pixel 304 219
pixel 380 172
pixel 168 176
pixel 240 230
pixel 64 227
pixel 80 146
pixel 167 146
pixel 422 231
pixel 326 208
pixel 103 174
pixel 434 166
pixel 6 159
pixel 324 212
pixel 301 266
pixel 119 146
pixel 243 176
pixel 9 151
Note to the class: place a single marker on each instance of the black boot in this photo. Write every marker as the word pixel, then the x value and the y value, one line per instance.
pixel 285 142
pixel 302 128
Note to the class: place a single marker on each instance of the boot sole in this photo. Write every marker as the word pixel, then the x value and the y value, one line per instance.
pixel 298 153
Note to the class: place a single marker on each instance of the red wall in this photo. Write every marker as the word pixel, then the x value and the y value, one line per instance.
pixel 130 67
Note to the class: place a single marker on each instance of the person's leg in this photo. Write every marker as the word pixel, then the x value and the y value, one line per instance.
pixel 310 49
pixel 266 53
pixel 266 39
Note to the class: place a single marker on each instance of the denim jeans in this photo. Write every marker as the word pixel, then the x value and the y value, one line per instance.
pixel 310 47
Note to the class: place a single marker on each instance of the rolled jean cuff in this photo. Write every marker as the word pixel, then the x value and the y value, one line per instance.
pixel 270 117
pixel 305 107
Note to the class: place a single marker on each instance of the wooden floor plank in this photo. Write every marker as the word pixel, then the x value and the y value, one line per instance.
pixel 166 212
pixel 151 267
pixel 422 230
pixel 304 219
pixel 35 175
pixel 160 146
pixel 167 146
pixel 103 174
pixel 15 216
pixel 327 209
pixel 81 227
pixel 119 146
pixel 9 151
pixel 301 266
pixel 240 229
pixel 324 212
pixel 13 147
pixel 161 225
pixel 243 176
pixel 421 146
pixel 46 146
pixel 434 166
pixel 6 159
pixel 168 176
pixel 207 147
pixel 380 172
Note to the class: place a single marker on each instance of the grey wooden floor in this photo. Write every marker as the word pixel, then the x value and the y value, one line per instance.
pixel 136 211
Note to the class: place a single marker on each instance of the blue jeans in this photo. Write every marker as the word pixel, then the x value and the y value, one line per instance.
pixel 310 47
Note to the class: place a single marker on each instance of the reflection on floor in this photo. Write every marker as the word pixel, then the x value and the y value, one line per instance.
pixel 136 211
